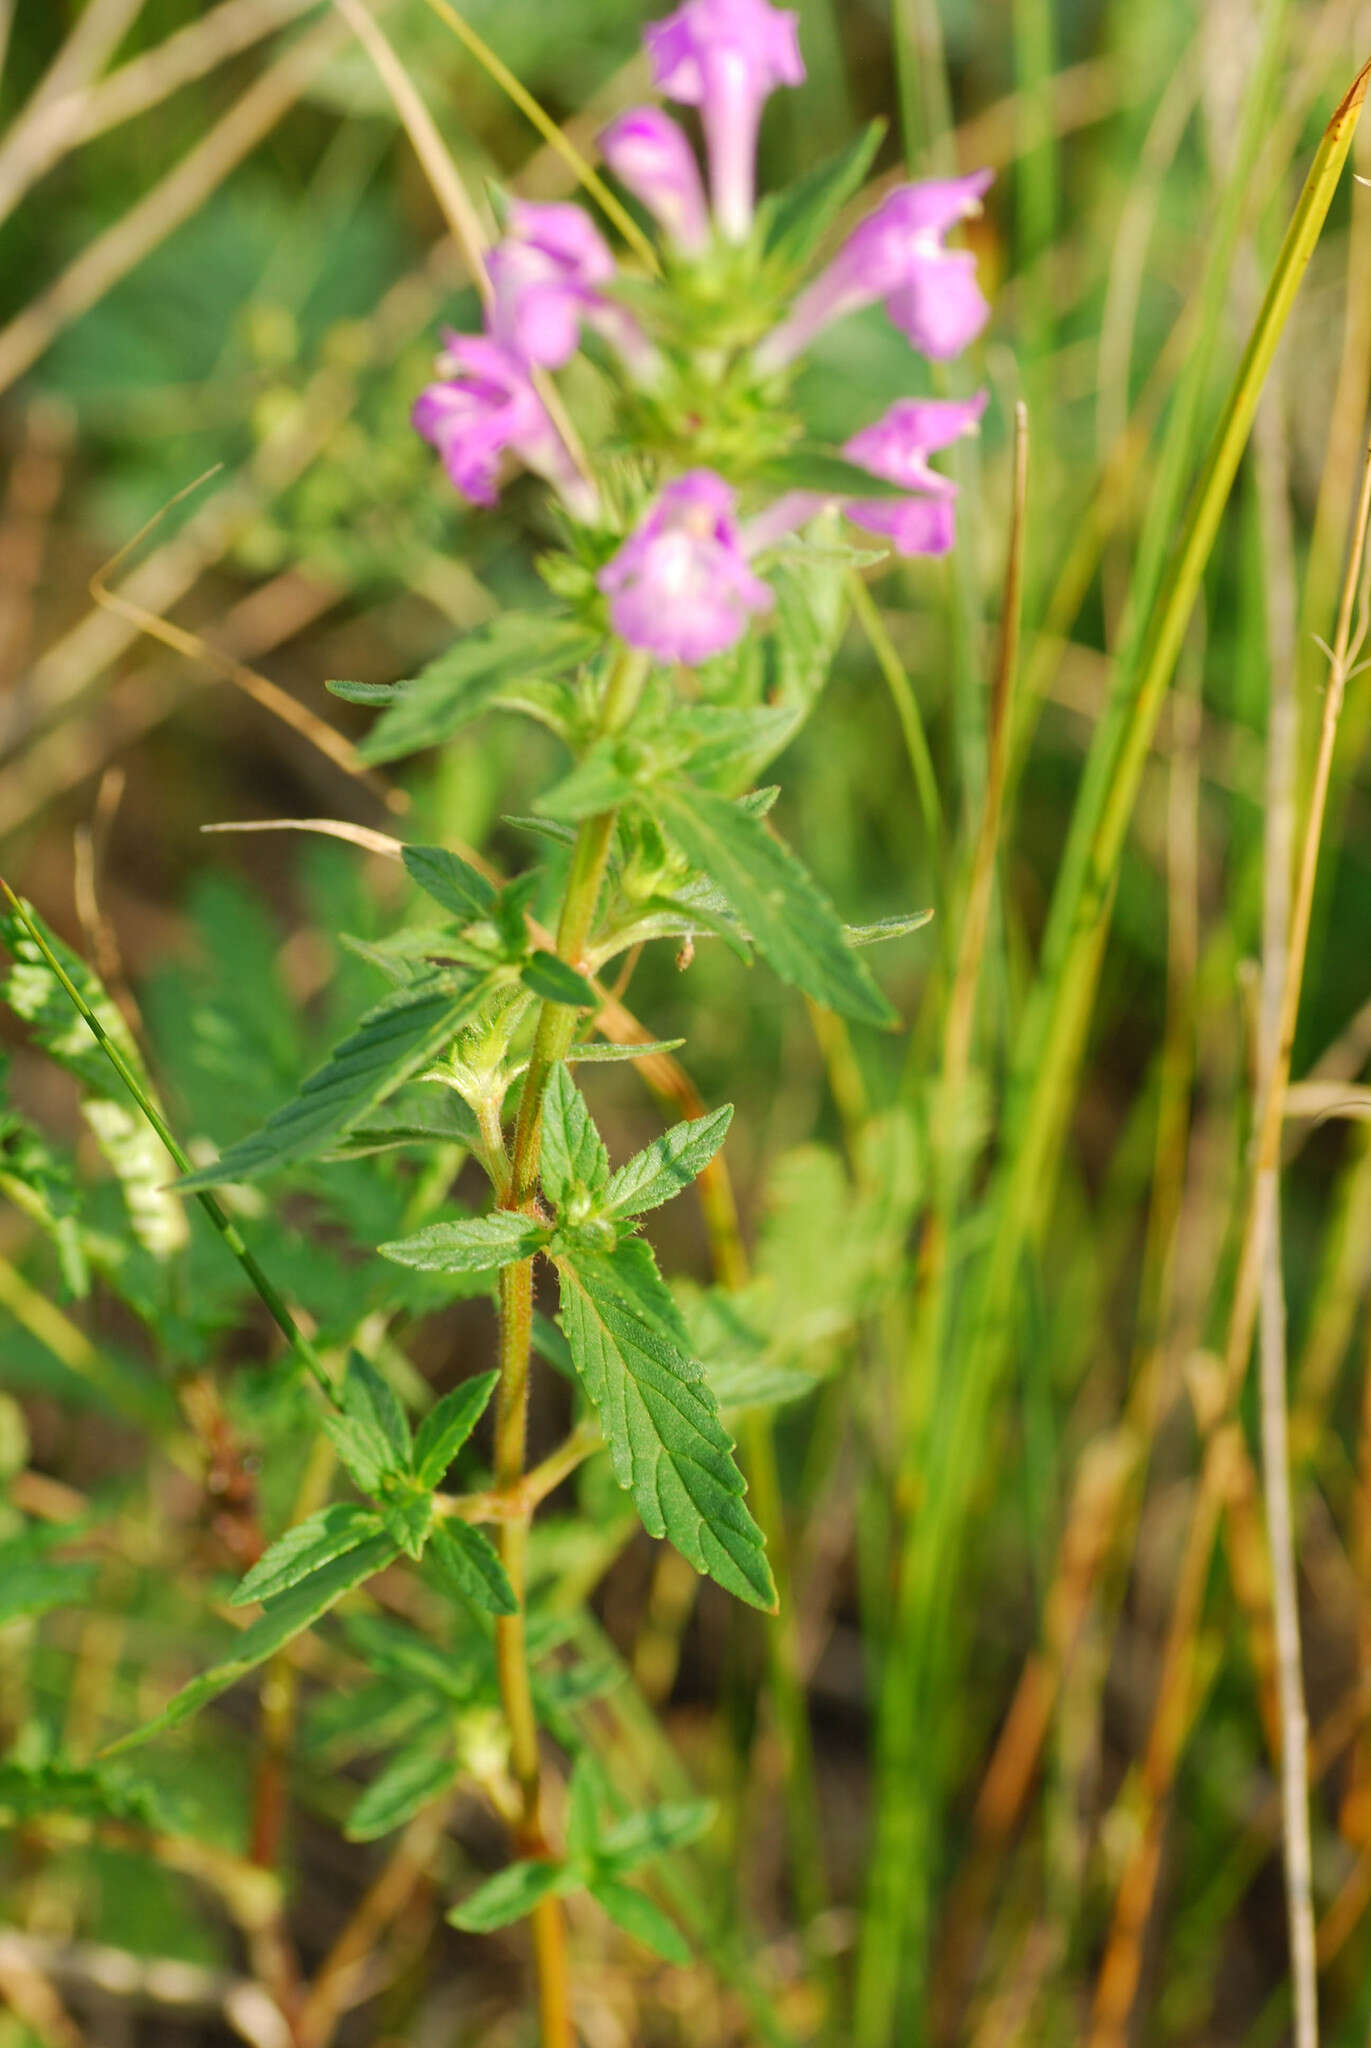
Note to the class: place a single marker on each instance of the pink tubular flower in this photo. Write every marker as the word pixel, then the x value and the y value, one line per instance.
pixel 649 153
pixel 546 276
pixel 897 447
pixel 484 405
pixel 725 57
pixel 897 254
pixel 680 587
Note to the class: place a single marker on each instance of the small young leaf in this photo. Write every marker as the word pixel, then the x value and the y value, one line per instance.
pixel 449 880
pixel 660 1418
pixel 472 1244
pixel 667 1165
pixel 370 1402
pixel 584 1799
pixel 541 828
pixel 597 783
pixel 134 1152
pixel 407 1511
pixel 510 1894
pixel 603 1051
pixel 447 1426
pixel 505 654
pixel 797 218
pixel 792 922
pixel 825 472
pixel 401 1034
pixel 653 1833
pixel 282 1618
pixel 471 1562
pixel 556 982
pixel 573 1154
pixel 886 928
pixel 331 1533
pixel 410 1781
pixel 638 1916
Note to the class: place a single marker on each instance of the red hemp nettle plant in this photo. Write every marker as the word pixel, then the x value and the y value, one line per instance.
pixel 698 591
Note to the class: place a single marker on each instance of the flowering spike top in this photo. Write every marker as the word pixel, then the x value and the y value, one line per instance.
pixel 680 586
pixel 649 153
pixel 696 418
pixel 897 254
pixel 726 57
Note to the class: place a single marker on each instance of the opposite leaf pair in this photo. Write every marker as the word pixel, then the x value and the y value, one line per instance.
pixel 628 1344
pixel 598 1859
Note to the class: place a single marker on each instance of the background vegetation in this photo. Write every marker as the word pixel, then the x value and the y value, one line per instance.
pixel 1008 1768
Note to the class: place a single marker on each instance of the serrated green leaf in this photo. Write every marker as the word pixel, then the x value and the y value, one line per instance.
pixel 471 1244
pixel 407 1512
pixel 551 979
pixel 512 1893
pixel 501 656
pixel 655 1832
pixel 92 1791
pixel 331 1533
pixel 447 1426
pixel 659 1415
pixel 372 1404
pixel 792 922
pixel 636 1914
pixel 796 219
pixel 33 1586
pixel 391 1043
pixel 666 1166
pixel 886 928
pixel 603 1052
pixel 450 881
pixel 722 736
pixel 133 1151
pixel 541 828
pixel 471 1561
pixel 598 782
pixel 409 1782
pixel 283 1618
pixel 573 1153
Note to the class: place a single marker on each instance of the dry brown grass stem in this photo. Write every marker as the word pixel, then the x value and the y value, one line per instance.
pixel 468 229
pixel 326 738
pixel 78 113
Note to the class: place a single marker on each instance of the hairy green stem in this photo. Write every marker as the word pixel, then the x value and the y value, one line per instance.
pixel 552 1039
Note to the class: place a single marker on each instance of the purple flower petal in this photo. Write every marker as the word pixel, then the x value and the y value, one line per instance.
pixel 649 153
pixel 897 447
pixel 725 57
pixel 896 254
pixel 546 275
pixel 680 587
pixel 485 407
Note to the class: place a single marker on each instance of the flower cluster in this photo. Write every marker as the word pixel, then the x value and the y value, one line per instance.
pixel 680 582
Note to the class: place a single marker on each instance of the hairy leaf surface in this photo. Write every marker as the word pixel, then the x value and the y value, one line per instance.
pixel 397 1037
pixel 659 1415
pixel 792 922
